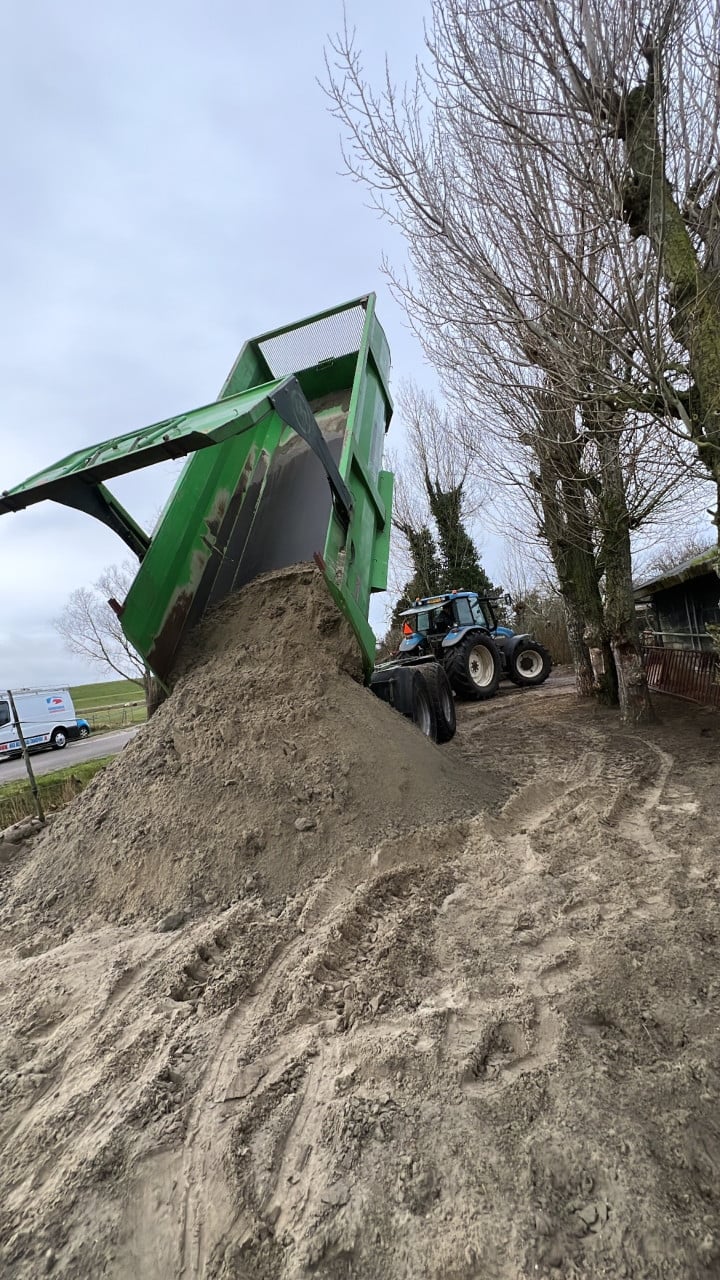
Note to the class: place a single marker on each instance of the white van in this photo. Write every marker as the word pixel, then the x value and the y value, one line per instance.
pixel 47 719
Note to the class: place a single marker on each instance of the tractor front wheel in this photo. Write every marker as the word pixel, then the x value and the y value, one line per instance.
pixel 473 667
pixel 530 664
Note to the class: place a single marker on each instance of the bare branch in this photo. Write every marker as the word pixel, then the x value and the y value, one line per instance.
pixel 91 630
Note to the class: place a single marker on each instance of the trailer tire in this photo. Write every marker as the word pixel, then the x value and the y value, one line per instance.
pixel 59 739
pixel 530 664
pixel 423 710
pixel 441 696
pixel 473 667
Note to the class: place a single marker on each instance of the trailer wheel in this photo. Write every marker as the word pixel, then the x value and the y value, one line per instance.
pixel 423 711
pixel 59 739
pixel 473 667
pixel 530 664
pixel 441 696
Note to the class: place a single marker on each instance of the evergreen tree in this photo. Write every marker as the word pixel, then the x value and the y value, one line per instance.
pixel 428 568
pixel 461 567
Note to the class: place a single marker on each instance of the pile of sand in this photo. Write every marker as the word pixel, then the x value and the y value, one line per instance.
pixel 485 1048
pixel 269 764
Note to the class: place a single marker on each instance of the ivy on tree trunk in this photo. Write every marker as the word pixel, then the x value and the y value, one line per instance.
pixel 460 558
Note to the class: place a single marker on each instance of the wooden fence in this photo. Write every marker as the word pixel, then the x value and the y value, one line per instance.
pixel 115 715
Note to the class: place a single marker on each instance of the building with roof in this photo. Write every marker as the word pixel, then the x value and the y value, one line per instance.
pixel 683 602
pixel 680 619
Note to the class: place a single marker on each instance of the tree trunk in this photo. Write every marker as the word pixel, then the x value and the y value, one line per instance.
pixel 634 698
pixel 581 583
pixel 592 652
pixel 584 676
pixel 567 530
pixel 619 611
pixel 577 573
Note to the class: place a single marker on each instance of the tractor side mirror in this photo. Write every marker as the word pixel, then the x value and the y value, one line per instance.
pixel 507 598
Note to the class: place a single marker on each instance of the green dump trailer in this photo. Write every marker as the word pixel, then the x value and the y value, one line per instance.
pixel 284 467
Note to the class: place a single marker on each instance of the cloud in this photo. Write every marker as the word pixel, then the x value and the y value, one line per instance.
pixel 171 188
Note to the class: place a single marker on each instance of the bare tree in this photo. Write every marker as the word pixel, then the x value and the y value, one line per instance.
pixel 627 96
pixel 537 605
pixel 530 298
pixel 435 448
pixel 444 486
pixel 92 630
pixel 677 553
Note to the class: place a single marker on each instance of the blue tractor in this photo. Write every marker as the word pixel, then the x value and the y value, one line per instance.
pixel 460 630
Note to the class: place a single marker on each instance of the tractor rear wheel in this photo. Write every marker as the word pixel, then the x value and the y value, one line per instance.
pixel 473 667
pixel 441 696
pixel 530 664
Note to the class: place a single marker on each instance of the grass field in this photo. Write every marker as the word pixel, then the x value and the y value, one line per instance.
pixel 56 789
pixel 105 705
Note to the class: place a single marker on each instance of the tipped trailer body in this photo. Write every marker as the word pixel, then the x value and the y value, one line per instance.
pixel 285 466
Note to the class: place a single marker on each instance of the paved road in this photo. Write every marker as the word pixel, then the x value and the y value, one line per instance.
pixel 104 744
pixel 108 744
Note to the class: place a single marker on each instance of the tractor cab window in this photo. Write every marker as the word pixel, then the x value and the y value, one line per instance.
pixel 441 619
pixel 464 613
pixel 481 615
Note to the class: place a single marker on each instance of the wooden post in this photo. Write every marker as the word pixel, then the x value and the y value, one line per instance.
pixel 26 758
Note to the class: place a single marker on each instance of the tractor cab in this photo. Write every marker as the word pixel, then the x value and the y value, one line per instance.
pixel 436 616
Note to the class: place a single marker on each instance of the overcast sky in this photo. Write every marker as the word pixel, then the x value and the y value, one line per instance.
pixel 171 186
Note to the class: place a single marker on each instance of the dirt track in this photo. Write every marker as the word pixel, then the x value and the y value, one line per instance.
pixel 486 1049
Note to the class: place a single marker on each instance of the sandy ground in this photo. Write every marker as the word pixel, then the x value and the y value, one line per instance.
pixel 486 1049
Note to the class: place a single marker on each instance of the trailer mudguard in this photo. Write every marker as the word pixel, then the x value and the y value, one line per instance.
pixel 394 685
